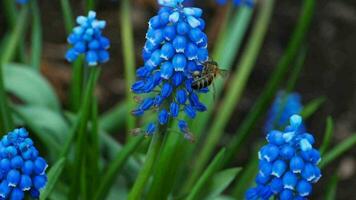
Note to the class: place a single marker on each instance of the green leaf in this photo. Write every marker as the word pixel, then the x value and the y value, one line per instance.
pixel 312 107
pixel 36 36
pixel 221 181
pixel 29 86
pixel 53 176
pixel 115 167
pixel 206 176
pixel 329 131
pixel 338 150
pixel 55 125
pixel 51 133
pixel 331 188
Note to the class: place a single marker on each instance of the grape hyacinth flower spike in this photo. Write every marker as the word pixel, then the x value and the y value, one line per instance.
pixel 22 169
pixel 288 165
pixel 87 39
pixel 176 46
pixel 284 106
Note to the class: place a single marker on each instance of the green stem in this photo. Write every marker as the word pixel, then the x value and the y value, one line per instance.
pixel 282 68
pixel 115 167
pixel 67 16
pixel 129 58
pixel 80 133
pixel 90 5
pixel 337 151
pixel 9 9
pixel 147 169
pixel 235 89
pixel 36 36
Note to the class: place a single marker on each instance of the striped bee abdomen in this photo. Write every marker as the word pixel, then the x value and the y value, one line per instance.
pixel 203 82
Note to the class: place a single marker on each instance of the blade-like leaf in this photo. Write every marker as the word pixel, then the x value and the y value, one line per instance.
pixel 29 86
pixel 205 177
pixel 53 175
pixel 329 131
pixel 330 193
pixel 221 181
pixel 312 107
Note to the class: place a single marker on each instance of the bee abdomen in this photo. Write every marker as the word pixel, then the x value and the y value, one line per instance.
pixel 203 83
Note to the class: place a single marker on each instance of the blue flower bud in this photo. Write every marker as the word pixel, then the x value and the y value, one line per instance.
pixel 146 104
pixel 275 137
pixel 182 28
pixel 286 195
pixel 142 72
pixel 180 43
pixel 167 51
pixel 177 78
pixel 179 62
pixel 13 177
pixel 189 110
pixel 169 33
pixel 137 112
pixel 25 183
pixel 191 51
pixel 166 90
pixel 91 58
pixel 260 179
pixel 183 126
pixel 174 17
pixel 305 145
pixel 181 97
pixel 296 164
pixel 276 185
pixel 17 194
pixel 304 188
pixel 193 22
pixel 39 181
pixel 193 11
pixel 16 162
pixel 167 70
pixel 155 59
pixel 196 35
pixel 154 22
pixel 289 180
pixel 287 152
pixel 265 168
pixel 5 164
pixel 174 109
pixel 163 117
pixel 270 153
pixel 308 173
pixel 151 128
pixel 279 167
pixel 28 167
pixel 203 55
pixel 4 189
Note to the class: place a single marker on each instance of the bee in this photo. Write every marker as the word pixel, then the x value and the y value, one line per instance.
pixel 206 77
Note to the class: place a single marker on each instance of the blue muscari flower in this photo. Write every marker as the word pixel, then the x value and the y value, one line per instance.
pixel 22 2
pixel 22 170
pixel 284 106
pixel 87 39
pixel 288 164
pixel 175 47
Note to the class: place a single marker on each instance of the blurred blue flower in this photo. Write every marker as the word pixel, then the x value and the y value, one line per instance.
pixel 288 164
pixel 249 3
pixel 22 169
pixel 87 39
pixel 176 46
pixel 22 1
pixel 283 107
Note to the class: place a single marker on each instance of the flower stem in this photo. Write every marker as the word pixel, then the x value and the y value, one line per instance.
pixel 147 169
pixel 129 58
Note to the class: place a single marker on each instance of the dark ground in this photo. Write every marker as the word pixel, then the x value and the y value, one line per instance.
pixel 329 68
